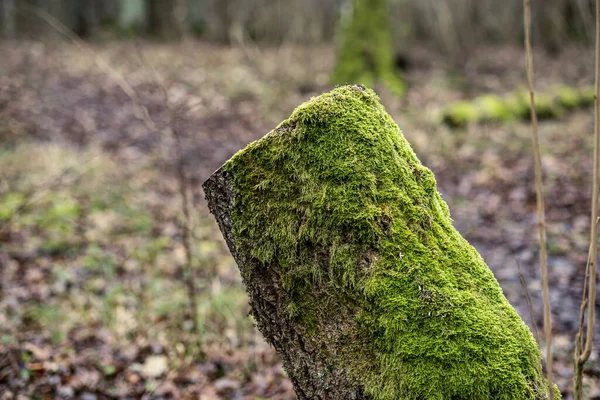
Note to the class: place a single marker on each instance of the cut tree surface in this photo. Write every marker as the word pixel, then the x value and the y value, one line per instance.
pixel 354 271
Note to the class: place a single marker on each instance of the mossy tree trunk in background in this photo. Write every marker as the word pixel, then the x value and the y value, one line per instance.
pixel 365 53
pixel 354 271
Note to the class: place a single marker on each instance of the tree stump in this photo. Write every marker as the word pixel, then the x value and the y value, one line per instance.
pixel 354 271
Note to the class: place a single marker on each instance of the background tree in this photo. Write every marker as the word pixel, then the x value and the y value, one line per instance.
pixel 553 20
pixel 365 52
pixel 161 18
pixel 81 16
pixel 454 27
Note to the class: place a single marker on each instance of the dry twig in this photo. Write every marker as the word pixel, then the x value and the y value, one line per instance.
pixel 583 349
pixel 185 194
pixel 540 198
pixel 523 282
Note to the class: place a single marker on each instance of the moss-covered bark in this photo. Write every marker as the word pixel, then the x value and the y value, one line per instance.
pixel 353 268
pixel 365 52
pixel 491 108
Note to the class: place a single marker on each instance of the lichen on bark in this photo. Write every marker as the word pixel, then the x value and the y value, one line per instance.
pixel 365 53
pixel 354 270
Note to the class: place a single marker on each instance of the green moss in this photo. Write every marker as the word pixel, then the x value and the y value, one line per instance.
pixel 365 54
pixel 568 97
pixel 336 198
pixel 519 104
pixel 494 108
pixel 547 107
pixel 588 94
pixel 491 108
pixel 460 114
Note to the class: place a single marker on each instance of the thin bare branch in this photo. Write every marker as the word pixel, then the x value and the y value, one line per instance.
pixel 536 333
pixel 184 191
pixel 587 349
pixel 540 198
pixel 583 351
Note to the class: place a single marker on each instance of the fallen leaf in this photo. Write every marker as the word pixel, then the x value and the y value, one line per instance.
pixel 155 366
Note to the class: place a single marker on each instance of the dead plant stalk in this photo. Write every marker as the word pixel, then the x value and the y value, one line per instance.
pixel 582 354
pixel 540 198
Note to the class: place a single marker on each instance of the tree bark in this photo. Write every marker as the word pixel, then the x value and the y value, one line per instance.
pixel 161 18
pixel 80 16
pixel 303 360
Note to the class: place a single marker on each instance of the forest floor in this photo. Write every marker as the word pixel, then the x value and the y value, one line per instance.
pixel 93 270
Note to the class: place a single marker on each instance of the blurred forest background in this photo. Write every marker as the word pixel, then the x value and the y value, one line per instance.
pixel 114 279
pixel 454 27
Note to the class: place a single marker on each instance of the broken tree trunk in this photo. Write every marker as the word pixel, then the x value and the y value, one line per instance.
pixel 354 271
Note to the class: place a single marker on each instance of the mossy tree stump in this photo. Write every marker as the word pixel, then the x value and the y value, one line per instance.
pixel 354 271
